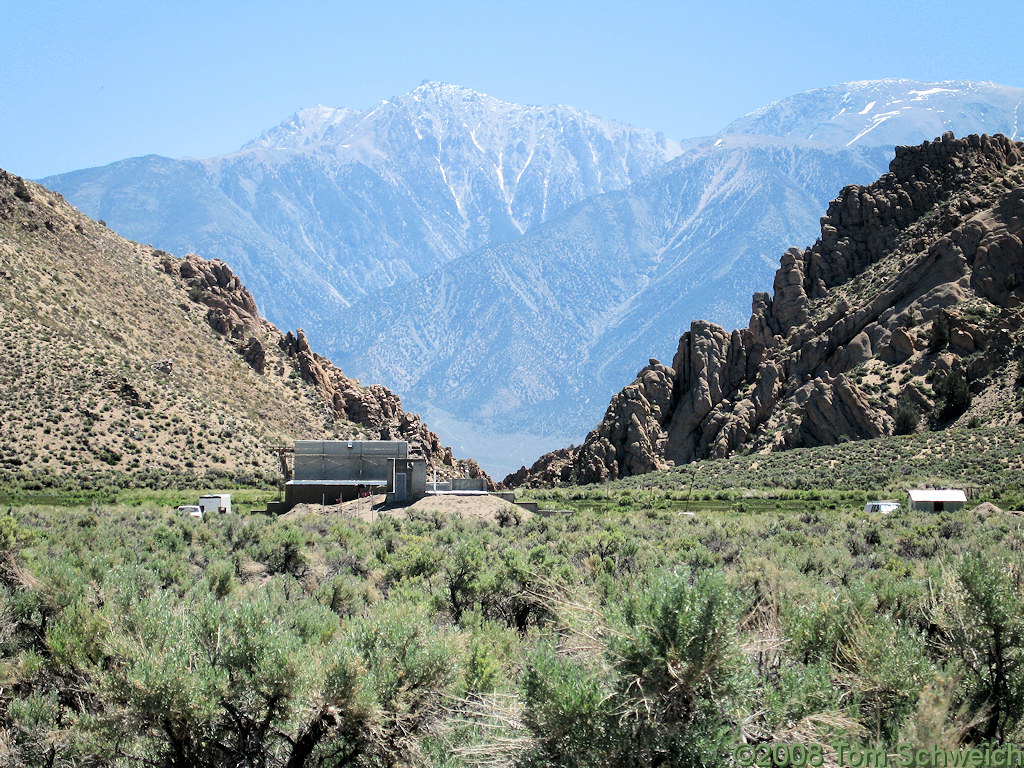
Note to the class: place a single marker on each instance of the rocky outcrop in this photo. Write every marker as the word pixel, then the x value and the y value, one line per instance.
pixel 931 252
pixel 232 312
pixel 231 309
pixel 255 355
pixel 553 467
pixel 864 224
pixel 631 438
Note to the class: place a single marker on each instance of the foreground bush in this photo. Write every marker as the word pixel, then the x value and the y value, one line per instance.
pixel 633 637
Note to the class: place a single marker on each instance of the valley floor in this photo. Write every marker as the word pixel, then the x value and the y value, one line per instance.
pixel 655 621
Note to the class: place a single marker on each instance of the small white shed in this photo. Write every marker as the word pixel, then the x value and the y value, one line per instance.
pixel 937 500
pixel 215 503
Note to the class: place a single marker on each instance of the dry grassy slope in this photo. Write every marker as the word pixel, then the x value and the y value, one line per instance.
pixel 88 321
pixel 987 458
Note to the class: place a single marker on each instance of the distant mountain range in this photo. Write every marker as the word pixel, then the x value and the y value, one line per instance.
pixel 334 204
pixel 507 268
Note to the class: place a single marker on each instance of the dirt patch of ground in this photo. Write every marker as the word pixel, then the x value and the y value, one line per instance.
pixel 477 507
pixel 363 509
pixel 985 508
pixel 489 508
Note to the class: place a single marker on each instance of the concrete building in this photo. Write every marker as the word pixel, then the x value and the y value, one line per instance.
pixel 937 500
pixel 329 471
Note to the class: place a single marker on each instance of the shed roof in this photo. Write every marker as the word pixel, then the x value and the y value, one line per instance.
pixel 935 494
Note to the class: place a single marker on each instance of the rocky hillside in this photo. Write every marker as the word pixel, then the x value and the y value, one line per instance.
pixel 905 315
pixel 123 359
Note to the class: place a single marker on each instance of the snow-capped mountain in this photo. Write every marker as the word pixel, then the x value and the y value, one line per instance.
pixel 534 335
pixel 335 203
pixel 506 268
pixel 501 167
pixel 884 113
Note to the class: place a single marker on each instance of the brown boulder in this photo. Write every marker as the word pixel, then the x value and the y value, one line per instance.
pixel 961 342
pixel 901 345
pixel 255 355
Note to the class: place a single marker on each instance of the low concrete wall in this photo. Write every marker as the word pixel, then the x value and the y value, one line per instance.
pixel 469 484
pixel 321 493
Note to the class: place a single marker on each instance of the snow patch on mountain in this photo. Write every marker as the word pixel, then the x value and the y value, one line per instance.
pixel 861 112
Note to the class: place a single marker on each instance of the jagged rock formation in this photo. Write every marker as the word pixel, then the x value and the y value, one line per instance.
pixel 123 358
pixel 913 291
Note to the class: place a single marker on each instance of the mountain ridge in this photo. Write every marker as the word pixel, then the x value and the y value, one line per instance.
pixel 853 112
pixel 126 363
pixel 352 251
pixel 425 177
pixel 840 346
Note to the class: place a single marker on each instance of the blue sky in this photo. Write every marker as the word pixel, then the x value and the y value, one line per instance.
pixel 86 83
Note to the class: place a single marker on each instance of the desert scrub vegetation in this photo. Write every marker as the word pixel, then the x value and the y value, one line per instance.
pixel 985 457
pixel 612 634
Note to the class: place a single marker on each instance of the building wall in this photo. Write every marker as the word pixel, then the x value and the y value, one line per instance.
pixel 929 506
pixel 329 470
pixel 345 459
pixel 320 493
pixel 415 471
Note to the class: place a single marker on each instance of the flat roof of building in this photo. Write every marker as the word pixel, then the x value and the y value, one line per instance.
pixel 387 448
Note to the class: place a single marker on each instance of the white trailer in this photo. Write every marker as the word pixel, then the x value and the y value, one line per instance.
pixel 215 503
